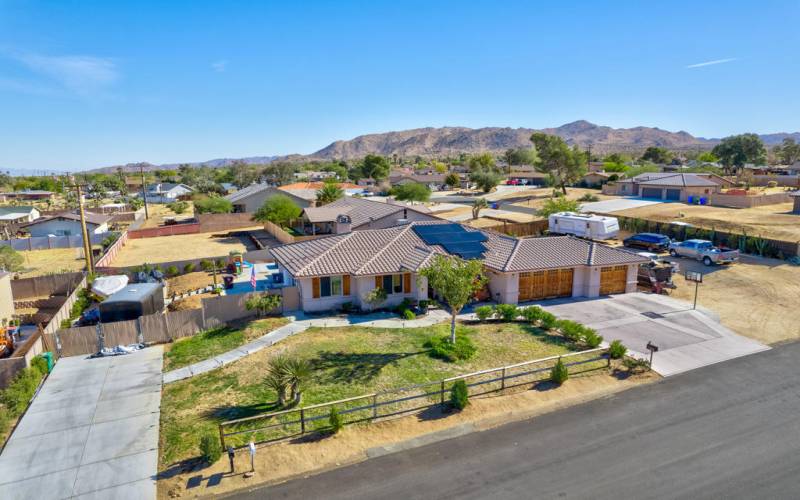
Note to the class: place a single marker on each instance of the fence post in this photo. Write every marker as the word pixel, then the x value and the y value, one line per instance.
pixel 139 332
pixel 222 437
pixel 503 380
pixel 101 341
pixel 442 392
pixel 302 421
pixel 608 355
pixel 374 406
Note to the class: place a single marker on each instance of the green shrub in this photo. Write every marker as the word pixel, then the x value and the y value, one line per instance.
pixel 210 449
pixel 5 420
pixel 19 392
pixel 591 338
pixel 635 365
pixel 206 265
pixel 507 312
pixel 459 395
pixel 39 364
pixel 588 197
pixel 617 349
pixel 346 307
pixel 335 420
pixel 189 268
pixel 532 314
pixel 424 304
pixel 409 314
pixel 171 271
pixel 548 321
pixel 484 312
pixel 559 374
pixel 442 348
pixel 570 329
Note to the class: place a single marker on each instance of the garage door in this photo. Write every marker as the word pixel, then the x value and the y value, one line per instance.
pixel 674 194
pixel 651 193
pixel 545 284
pixel 613 279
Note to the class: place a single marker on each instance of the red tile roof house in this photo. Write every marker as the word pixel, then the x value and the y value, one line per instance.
pixel 668 186
pixel 362 213
pixel 343 268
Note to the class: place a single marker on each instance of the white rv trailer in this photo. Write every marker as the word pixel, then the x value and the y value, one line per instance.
pixel 593 227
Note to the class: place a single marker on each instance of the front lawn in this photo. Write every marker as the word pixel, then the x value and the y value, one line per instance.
pixel 347 361
pixel 209 343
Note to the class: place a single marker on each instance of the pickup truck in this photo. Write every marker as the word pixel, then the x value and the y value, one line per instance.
pixel 704 251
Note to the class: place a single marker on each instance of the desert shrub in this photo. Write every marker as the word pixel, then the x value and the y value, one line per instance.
pixel 559 374
pixel 19 392
pixel 507 312
pixel 459 395
pixel 570 329
pixel 442 348
pixel 617 349
pixel 335 420
pixel 424 304
pixel 210 449
pixel 5 420
pixel 772 184
pixel 588 197
pixel 189 268
pixel 532 314
pixel 548 321
pixel 172 271
pixel 591 338
pixel 634 365
pixel 39 364
pixel 484 312
pixel 409 314
pixel 206 265
pixel 178 207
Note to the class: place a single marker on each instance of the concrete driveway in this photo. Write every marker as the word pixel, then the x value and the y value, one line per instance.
pixel 92 432
pixel 687 339
pixel 608 206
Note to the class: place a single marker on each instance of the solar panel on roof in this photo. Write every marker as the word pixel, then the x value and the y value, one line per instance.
pixel 454 238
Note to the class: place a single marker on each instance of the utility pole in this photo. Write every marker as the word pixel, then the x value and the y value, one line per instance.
pixel 144 192
pixel 87 244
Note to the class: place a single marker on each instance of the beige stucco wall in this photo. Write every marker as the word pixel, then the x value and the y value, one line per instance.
pixel 6 299
pixel 359 287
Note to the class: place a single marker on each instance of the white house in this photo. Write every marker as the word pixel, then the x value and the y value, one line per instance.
pixel 67 224
pixel 18 214
pixel 166 192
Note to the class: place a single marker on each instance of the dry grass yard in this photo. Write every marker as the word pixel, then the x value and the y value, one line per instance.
pixel 180 247
pixel 57 260
pixel 159 211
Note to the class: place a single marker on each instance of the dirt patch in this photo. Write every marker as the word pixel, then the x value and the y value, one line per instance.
pixel 190 281
pixel 180 247
pixel 770 221
pixel 58 260
pixel 756 297
pixel 288 460
pixel 158 212
pixel 538 196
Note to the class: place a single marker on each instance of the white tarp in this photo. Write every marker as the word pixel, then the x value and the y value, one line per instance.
pixel 107 285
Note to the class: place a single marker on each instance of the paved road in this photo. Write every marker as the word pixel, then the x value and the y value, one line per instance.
pixel 731 430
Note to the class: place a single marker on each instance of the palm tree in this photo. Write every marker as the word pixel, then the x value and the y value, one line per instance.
pixel 277 379
pixel 328 193
pixel 297 373
pixel 477 206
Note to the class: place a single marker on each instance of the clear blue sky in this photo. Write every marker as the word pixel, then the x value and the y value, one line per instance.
pixel 88 84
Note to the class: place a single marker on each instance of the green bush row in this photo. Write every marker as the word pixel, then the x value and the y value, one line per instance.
pixel 15 398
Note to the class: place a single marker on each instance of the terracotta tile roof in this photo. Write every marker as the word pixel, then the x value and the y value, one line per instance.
pixel 360 210
pixel 398 249
pixel 316 185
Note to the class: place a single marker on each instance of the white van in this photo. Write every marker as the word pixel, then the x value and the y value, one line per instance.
pixel 593 227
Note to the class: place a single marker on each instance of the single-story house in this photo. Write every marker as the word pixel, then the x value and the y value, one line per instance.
pixel 67 224
pixel 314 176
pixel 18 214
pixel 361 213
pixel 669 186
pixel 344 268
pixel 308 190
pixel 435 182
pixel 594 179
pixel 531 178
pixel 250 198
pixel 166 192
pixel 29 194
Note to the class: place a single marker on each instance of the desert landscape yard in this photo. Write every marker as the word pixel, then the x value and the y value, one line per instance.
pixel 41 262
pixel 770 221
pixel 179 247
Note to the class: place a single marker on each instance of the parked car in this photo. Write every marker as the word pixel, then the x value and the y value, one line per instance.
pixel 593 227
pixel 703 250
pixel 648 241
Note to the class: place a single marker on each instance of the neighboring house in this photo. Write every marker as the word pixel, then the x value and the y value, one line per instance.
pixel 29 194
pixel 166 192
pixel 669 186
pixel 228 188
pixel 314 176
pixel 435 182
pixel 367 182
pixel 343 268
pixel 6 298
pixel 596 179
pixel 361 214
pixel 18 215
pixel 527 178
pixel 308 190
pixel 67 224
pixel 250 198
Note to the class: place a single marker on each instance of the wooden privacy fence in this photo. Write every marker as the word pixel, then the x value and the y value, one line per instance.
pixel 66 308
pixel 280 425
pixel 532 228
pixel 44 286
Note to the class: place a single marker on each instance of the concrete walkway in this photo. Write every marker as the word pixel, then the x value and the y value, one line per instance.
pixel 301 323
pixel 91 432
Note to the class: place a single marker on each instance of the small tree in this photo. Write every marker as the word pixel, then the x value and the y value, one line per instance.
pixel 263 303
pixel 411 191
pixel 484 312
pixel 212 205
pixel 278 209
pixel 559 374
pixel 485 180
pixel 455 280
pixel 565 164
pixel 328 193
pixel 452 180
pixel 335 420
pixel 617 349
pixel 276 378
pixel 478 205
pixel 10 259
pixel 297 373
pixel 555 205
pixel 459 395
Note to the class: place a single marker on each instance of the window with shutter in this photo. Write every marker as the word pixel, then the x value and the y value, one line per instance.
pixel 315 287
pixel 346 284
pixel 407 283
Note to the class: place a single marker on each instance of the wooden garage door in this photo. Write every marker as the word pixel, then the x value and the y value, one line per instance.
pixel 613 279
pixel 545 284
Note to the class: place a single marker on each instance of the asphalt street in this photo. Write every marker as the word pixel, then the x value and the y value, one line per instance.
pixel 730 430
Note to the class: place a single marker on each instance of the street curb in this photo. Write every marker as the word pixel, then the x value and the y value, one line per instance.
pixel 425 439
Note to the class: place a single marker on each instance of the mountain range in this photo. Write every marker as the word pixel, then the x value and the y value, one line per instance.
pixel 451 141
